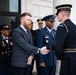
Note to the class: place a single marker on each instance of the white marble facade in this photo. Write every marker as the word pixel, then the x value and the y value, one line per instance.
pixel 38 9
pixel 41 8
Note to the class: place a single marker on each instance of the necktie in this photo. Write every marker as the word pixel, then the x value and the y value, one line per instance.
pixel 52 32
pixel 28 36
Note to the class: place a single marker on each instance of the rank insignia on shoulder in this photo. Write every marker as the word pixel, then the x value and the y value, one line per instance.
pixel 60 25
pixel 66 27
pixel 46 36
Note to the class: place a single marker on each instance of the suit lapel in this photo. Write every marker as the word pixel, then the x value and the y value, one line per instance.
pixel 24 34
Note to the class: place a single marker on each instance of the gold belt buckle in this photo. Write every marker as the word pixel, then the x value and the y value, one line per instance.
pixel 70 49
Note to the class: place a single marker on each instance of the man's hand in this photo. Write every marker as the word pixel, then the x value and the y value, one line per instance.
pixel 29 60
pixel 44 51
pixel 42 64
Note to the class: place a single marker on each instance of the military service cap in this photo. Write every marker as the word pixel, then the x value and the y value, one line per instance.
pixel 4 27
pixel 63 7
pixel 40 21
pixel 49 17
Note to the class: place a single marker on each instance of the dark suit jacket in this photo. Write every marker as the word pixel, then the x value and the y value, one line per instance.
pixel 21 48
pixel 44 38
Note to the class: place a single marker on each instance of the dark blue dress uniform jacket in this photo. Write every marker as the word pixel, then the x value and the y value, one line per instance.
pixel 45 38
pixel 5 52
pixel 66 39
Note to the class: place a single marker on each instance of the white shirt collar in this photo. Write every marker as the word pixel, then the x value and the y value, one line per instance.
pixel 4 37
pixel 49 29
pixel 23 28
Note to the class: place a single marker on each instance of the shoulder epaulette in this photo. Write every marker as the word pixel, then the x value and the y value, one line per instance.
pixel 60 25
pixel 66 27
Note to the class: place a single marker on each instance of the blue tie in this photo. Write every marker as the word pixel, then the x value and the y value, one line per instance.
pixel 28 36
pixel 53 36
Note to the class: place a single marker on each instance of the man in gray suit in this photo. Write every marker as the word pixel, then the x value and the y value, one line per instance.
pixel 23 49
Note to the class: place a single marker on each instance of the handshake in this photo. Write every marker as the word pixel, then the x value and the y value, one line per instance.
pixel 44 50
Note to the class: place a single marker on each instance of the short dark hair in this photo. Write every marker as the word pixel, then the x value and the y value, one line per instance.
pixel 25 14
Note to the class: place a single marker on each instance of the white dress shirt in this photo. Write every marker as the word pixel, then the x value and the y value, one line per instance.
pixel 49 29
pixel 23 28
pixel 6 38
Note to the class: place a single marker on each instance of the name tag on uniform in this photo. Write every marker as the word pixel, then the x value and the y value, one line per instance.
pixel 46 36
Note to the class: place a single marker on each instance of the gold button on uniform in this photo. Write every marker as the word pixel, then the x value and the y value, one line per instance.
pixel 5 52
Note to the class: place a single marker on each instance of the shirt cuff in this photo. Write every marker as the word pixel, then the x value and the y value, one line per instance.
pixel 38 50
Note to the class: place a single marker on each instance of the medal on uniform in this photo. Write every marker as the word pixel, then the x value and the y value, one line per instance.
pixel 47 41
pixel 11 43
pixel 46 36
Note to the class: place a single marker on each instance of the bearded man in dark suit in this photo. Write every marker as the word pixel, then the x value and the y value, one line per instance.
pixel 23 49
